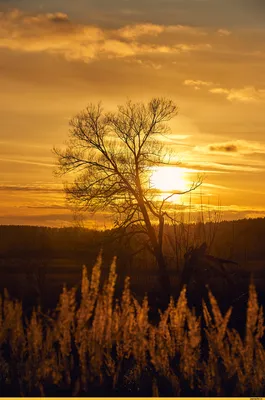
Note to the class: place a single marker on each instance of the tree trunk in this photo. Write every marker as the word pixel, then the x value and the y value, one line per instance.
pixel 163 273
pixel 156 244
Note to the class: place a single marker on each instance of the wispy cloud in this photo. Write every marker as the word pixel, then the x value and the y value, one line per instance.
pixel 136 31
pixel 224 148
pixel 59 218
pixel 217 167
pixel 23 188
pixel 247 94
pixel 232 148
pixel 197 84
pixel 243 147
pixel 224 32
pixel 30 162
pixel 56 220
pixel 48 207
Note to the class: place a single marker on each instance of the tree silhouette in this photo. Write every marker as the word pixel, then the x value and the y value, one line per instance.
pixel 113 155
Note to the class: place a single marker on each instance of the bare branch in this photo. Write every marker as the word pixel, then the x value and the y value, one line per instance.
pixel 111 156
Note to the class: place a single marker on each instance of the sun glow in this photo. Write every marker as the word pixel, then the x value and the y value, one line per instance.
pixel 169 179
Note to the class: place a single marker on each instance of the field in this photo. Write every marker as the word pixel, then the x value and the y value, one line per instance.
pixel 109 335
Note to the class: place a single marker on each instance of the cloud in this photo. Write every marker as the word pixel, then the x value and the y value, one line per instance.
pixel 190 30
pixel 248 94
pixel 58 218
pixel 241 147
pixel 226 148
pixel 193 47
pixel 217 167
pixel 115 48
pixel 54 33
pixel 196 84
pixel 22 188
pixel 30 162
pixel 144 63
pixel 51 206
pixel 227 212
pixel 224 32
pixel 219 91
pixel 55 220
pixel 136 31
pixel 235 212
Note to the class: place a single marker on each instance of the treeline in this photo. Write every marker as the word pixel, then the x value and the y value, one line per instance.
pixel 238 240
pixel 17 241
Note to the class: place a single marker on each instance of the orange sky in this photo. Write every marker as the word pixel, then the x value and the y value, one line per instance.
pixel 206 55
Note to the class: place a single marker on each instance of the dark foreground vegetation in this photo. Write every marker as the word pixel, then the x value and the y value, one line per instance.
pixel 36 261
pixel 103 347
pixel 94 345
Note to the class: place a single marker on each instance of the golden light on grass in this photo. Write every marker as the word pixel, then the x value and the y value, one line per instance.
pixel 40 359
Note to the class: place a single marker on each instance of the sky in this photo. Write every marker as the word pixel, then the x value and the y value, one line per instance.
pixel 208 56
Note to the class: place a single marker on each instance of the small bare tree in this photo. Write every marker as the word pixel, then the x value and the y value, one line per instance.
pixel 113 155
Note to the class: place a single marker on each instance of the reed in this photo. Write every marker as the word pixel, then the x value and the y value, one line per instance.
pixel 112 343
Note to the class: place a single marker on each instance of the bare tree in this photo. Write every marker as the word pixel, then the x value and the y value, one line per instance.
pixel 112 156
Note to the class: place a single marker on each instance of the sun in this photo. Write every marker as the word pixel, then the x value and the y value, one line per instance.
pixel 169 179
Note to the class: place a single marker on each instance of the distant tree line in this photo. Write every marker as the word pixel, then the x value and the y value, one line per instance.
pixel 233 239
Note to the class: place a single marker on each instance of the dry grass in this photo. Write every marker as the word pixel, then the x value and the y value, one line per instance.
pixel 103 343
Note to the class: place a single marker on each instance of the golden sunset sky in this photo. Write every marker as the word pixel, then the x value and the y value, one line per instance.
pixel 56 56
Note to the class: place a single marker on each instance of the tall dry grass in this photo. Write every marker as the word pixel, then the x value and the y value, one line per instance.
pixel 107 346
